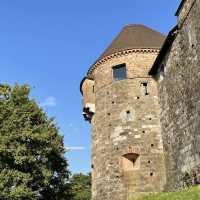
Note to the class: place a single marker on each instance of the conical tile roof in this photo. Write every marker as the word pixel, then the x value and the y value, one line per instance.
pixel 133 37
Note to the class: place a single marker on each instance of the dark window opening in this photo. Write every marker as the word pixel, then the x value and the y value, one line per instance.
pixel 119 72
pixel 130 161
pixel 152 145
pixel 128 115
pixel 93 89
pixel 145 88
pixel 151 174
pixel 162 69
pixel 144 84
pixel 131 156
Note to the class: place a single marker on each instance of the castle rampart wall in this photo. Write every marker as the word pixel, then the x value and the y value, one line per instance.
pixel 179 93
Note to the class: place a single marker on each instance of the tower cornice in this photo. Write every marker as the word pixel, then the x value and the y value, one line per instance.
pixel 119 54
pixel 112 56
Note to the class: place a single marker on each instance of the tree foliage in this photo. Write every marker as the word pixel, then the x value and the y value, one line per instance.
pixel 81 186
pixel 32 163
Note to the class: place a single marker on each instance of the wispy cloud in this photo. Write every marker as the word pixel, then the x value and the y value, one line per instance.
pixel 70 125
pixel 49 102
pixel 76 148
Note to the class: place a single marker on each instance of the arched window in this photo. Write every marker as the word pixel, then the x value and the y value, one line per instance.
pixel 130 162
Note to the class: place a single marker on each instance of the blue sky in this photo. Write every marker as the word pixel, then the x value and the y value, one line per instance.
pixel 50 44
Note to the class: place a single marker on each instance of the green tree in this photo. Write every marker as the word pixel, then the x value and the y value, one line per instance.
pixel 32 163
pixel 81 186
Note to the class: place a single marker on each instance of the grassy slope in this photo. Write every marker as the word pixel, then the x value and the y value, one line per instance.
pixel 190 194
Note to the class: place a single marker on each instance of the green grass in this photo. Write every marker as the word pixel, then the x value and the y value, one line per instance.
pixel 188 194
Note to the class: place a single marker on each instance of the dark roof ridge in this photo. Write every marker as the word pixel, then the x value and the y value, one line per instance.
pixel 167 44
pixel 180 7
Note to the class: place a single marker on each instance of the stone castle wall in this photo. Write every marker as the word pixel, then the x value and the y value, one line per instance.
pixel 179 93
pixel 126 123
pixel 142 143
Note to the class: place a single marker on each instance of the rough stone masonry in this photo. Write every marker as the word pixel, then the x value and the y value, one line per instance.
pixel 121 101
pixel 177 70
pixel 144 107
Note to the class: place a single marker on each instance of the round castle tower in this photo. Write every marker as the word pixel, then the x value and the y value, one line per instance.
pixel 120 100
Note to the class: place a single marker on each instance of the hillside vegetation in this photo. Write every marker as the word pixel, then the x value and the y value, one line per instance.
pixel 188 194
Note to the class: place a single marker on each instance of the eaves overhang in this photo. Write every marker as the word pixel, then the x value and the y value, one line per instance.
pixel 119 54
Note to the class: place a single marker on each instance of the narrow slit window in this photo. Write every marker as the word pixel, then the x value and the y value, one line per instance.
pixel 93 89
pixel 128 115
pixel 161 72
pixel 145 88
pixel 162 69
pixel 119 72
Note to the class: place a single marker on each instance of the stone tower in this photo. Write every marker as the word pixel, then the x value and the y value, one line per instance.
pixel 120 100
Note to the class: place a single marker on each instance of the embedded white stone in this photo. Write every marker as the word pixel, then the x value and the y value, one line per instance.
pixel 149 126
pixel 91 107
pixel 137 136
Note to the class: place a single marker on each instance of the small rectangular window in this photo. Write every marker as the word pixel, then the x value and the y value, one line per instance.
pixel 145 88
pixel 119 72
